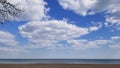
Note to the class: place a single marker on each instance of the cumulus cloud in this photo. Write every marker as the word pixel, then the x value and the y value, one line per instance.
pixel 34 9
pixel 85 44
pixel 8 43
pixel 31 9
pixel 90 7
pixel 50 33
pixel 115 42
pixel 78 6
pixel 7 39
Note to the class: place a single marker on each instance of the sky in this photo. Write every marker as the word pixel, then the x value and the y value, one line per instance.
pixel 62 29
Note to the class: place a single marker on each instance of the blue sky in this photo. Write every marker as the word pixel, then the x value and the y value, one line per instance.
pixel 63 29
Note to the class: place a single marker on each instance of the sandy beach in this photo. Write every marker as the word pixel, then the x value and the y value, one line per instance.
pixel 59 65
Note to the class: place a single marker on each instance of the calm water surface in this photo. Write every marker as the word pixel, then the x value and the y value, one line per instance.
pixel 60 61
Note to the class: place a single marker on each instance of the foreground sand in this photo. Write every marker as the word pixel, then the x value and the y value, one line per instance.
pixel 59 66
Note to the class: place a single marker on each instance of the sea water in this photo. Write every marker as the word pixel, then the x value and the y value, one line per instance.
pixel 59 61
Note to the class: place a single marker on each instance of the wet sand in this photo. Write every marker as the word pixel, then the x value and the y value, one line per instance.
pixel 59 65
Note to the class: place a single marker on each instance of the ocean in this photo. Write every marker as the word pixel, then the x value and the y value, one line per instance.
pixel 59 61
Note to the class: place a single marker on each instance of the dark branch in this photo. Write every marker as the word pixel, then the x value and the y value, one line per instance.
pixel 8 10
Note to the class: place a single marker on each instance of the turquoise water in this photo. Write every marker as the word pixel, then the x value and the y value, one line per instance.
pixel 60 61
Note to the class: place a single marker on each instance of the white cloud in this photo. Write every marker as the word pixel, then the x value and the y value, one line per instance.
pixel 78 6
pixel 94 28
pixel 35 9
pixel 4 50
pixel 53 27
pixel 32 9
pixel 7 39
pixel 50 33
pixel 115 42
pixel 8 43
pixel 85 44
pixel 90 7
pixel 115 37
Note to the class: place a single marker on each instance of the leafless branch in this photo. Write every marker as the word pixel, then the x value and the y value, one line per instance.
pixel 8 10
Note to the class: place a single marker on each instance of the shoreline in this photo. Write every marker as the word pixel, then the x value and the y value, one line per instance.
pixel 59 65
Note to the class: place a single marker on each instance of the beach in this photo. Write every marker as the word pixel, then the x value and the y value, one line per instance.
pixel 59 65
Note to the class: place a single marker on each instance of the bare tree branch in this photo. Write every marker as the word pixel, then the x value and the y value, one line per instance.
pixel 8 10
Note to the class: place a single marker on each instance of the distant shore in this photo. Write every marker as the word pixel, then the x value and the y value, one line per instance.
pixel 59 65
